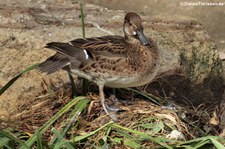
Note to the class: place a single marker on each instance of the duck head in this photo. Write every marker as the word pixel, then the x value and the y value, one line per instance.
pixel 133 28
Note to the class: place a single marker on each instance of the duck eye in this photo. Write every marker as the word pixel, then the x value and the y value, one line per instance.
pixel 134 33
pixel 130 23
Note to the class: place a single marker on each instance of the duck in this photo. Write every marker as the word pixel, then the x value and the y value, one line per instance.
pixel 114 61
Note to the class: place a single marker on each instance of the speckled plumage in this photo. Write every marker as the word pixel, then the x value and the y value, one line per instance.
pixel 112 61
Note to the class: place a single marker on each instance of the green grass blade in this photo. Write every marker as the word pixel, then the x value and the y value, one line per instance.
pixel 57 134
pixel 82 18
pixel 60 140
pixel 5 87
pixel 217 144
pixel 151 97
pixel 39 139
pixel 199 139
pixel 4 141
pixel 85 81
pixel 201 143
pixel 142 135
pixel 7 135
pixel 124 134
pixel 186 147
pixel 54 118
pixel 80 138
pixel 64 144
pixel 131 143
pixel 74 115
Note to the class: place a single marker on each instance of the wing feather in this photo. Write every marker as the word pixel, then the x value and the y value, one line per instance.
pixel 107 46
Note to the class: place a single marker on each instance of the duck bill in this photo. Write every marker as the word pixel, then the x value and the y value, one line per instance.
pixel 142 38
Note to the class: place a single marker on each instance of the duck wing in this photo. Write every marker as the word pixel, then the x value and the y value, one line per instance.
pixel 66 53
pixel 107 46
pixel 82 51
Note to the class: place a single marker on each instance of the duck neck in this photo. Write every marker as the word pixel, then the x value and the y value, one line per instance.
pixel 131 39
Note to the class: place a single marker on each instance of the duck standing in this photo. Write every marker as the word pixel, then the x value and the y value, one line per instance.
pixel 113 61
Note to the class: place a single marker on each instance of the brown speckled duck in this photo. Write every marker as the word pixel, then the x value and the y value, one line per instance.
pixel 112 61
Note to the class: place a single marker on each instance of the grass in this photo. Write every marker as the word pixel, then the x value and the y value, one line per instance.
pixel 145 131
pixel 144 134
